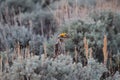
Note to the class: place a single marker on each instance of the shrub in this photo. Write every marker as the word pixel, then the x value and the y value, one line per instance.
pixel 36 45
pixel 78 30
pixel 61 68
pixel 110 19
pixel 10 36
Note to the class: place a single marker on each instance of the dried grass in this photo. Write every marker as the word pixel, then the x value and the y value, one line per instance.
pixel 45 50
pixel 76 54
pixel 86 47
pixel 28 51
pixel 109 5
pixel 66 12
pixel 1 63
pixel 105 52
pixel 18 51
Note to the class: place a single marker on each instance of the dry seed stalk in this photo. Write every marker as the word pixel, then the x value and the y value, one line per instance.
pixel 19 17
pixel 18 49
pixel 76 8
pixel 1 19
pixel 76 54
pixel 42 31
pixel 1 73
pixel 86 47
pixel 28 51
pixel 6 14
pixel 45 51
pixel 6 62
pixel 1 63
pixel 105 52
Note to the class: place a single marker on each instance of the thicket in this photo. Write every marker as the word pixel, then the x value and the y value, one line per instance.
pixel 11 36
pixel 105 23
pixel 61 68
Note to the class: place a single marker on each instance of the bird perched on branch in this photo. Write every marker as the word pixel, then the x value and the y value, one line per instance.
pixel 60 44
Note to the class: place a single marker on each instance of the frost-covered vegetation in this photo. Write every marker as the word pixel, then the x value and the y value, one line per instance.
pixel 29 31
